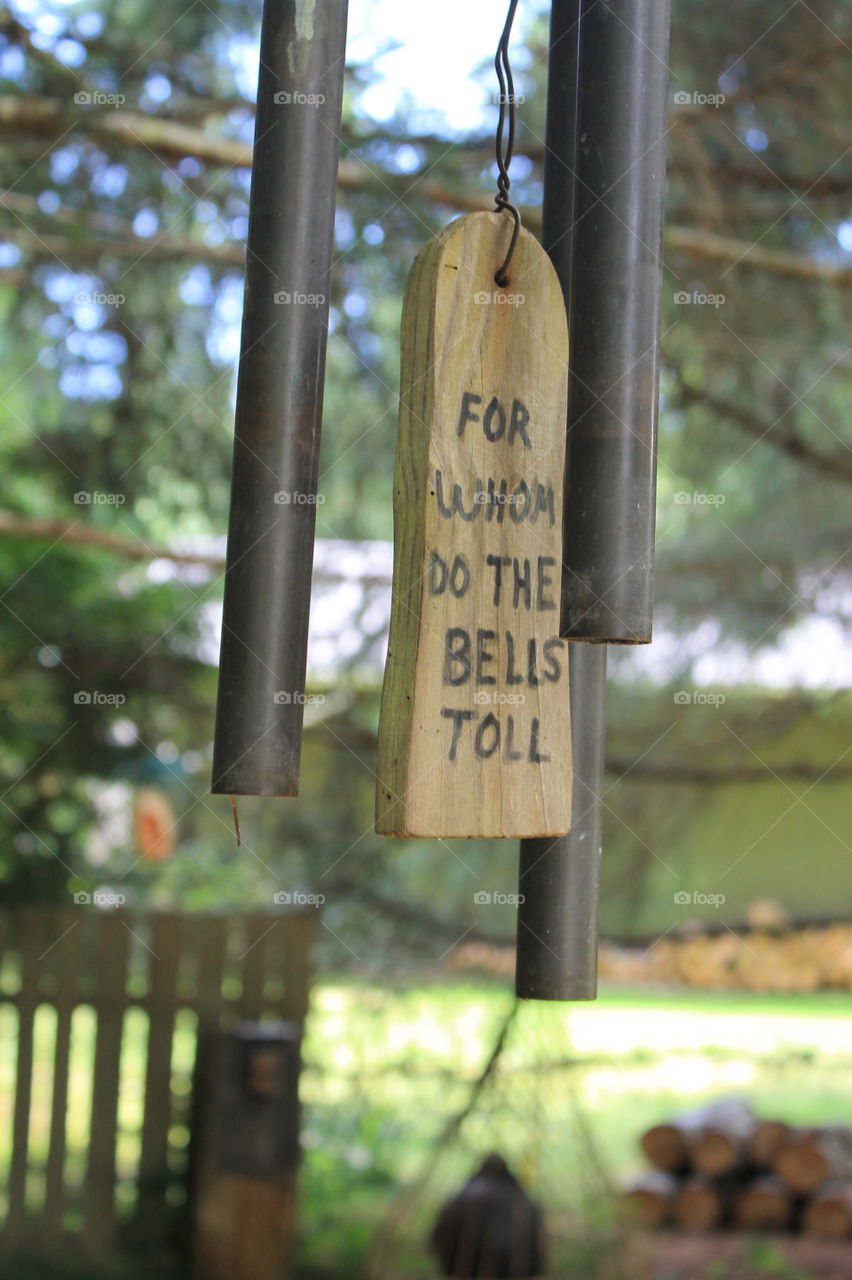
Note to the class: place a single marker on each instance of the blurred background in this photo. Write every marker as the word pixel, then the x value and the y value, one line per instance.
pixel 133 924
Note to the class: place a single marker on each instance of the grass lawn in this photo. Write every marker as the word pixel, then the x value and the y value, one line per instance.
pixel 576 1086
pixel 387 1067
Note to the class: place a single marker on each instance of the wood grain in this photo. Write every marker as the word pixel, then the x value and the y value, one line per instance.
pixel 474 736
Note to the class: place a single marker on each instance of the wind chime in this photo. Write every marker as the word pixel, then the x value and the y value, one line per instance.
pixel 474 733
pixel 508 554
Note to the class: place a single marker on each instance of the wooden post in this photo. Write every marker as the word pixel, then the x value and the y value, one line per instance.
pixel 249 1147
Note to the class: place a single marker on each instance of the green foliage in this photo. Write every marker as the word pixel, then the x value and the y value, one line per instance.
pixel 127 394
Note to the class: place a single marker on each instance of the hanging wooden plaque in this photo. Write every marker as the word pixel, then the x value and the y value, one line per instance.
pixel 474 735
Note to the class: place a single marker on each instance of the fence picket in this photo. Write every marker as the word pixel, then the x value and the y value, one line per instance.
pixel 31 944
pixel 80 957
pixel 113 949
pixel 165 944
pixel 66 951
pixel 258 927
pixel 296 937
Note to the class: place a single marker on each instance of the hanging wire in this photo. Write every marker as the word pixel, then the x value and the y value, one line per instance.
pixel 506 145
pixel 236 818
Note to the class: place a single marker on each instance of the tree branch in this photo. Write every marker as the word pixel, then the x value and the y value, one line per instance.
pixel 694 775
pixel 79 251
pixel 782 75
pixel 86 535
pixel 729 174
pixel 173 139
pixel 836 465
pixel 407 914
pixel 52 118
pixel 715 248
pixel 79 533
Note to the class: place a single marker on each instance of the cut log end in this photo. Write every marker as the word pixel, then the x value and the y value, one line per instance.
pixel 814 1156
pixel 665 1147
pixel 766 1204
pixel 828 1215
pixel 649 1201
pixel 715 1153
pixel 766 1142
pixel 699 1205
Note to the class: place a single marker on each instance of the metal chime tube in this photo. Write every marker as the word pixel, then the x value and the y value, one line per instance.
pixel 615 320
pixel 602 225
pixel 559 878
pixel 279 399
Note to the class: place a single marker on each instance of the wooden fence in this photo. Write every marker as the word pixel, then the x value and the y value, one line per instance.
pixel 103 1014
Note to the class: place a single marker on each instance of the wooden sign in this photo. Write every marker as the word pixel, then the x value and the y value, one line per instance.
pixel 474 736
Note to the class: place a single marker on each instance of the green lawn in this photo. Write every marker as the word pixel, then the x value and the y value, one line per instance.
pixel 386 1067
pixel 576 1086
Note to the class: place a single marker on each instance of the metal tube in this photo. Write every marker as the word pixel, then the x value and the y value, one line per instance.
pixel 560 144
pixel 615 321
pixel 279 399
pixel 559 879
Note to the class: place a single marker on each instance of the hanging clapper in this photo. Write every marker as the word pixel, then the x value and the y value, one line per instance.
pixel 474 733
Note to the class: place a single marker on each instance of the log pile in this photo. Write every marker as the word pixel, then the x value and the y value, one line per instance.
pixel 807 959
pixel 764 957
pixel 721 1168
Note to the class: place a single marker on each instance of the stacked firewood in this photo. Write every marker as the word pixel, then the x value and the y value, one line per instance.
pixel 767 955
pixel 807 959
pixel 720 1168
